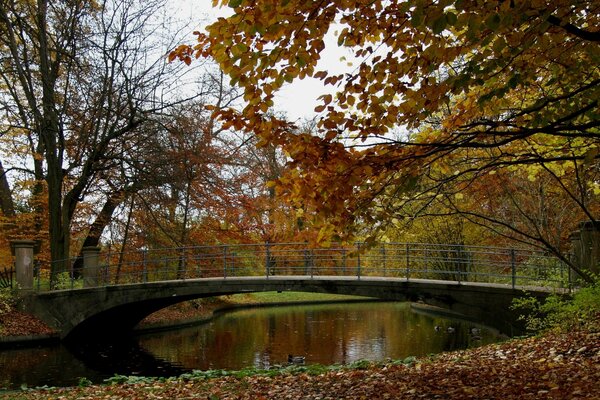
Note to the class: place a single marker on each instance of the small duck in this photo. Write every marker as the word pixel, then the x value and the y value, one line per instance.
pixel 475 331
pixel 295 359
pixel 437 328
pixel 451 329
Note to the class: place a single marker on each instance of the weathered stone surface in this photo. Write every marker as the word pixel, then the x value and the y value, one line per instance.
pixel 111 310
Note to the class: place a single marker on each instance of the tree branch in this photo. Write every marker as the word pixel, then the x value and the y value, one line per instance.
pixel 573 30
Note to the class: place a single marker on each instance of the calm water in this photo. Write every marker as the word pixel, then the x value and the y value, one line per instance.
pixel 260 337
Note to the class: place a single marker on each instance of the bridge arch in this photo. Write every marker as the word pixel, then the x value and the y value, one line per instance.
pixel 111 310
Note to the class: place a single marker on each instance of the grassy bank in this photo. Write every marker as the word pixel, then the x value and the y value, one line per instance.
pixel 201 309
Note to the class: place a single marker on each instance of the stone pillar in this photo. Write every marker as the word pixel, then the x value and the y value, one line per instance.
pixel 590 246
pixel 576 257
pixel 23 252
pixel 91 269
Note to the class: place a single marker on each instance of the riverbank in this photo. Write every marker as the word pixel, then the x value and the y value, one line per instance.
pixel 198 311
pixel 552 366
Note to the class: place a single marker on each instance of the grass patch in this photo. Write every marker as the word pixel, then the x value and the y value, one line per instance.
pixel 287 297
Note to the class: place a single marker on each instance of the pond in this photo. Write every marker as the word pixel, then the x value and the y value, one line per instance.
pixel 256 337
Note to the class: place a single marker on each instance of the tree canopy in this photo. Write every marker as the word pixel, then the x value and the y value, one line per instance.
pixel 444 93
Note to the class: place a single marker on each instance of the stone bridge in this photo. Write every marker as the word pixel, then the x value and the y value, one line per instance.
pixel 112 310
pixel 109 298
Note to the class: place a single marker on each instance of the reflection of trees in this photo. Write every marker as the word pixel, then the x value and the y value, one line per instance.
pixel 323 333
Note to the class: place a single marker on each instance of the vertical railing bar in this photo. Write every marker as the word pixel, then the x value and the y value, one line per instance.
pixel 107 269
pixel 268 259
pixel 225 262
pixel 358 261
pixel 513 267
pixel 72 275
pixel 311 265
pixel 144 266
pixel 384 259
pixel 182 264
pixel 457 262
pixel 306 262
pixel 407 261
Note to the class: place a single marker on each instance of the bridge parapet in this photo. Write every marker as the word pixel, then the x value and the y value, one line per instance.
pixel 455 263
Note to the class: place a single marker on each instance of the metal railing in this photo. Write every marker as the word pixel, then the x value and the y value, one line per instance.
pixel 7 278
pixel 456 263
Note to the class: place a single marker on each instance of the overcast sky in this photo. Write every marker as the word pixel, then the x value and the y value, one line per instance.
pixel 298 100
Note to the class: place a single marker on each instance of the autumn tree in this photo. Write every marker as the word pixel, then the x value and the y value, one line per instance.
pixel 217 188
pixel 82 78
pixel 508 84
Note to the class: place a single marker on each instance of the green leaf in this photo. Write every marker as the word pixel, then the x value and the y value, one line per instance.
pixel 417 18
pixel 514 81
pixel 439 24
pixel 300 60
pixel 493 22
pixel 234 3
pixel 451 18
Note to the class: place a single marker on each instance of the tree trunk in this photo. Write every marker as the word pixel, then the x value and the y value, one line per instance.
pixel 50 134
pixel 7 206
pixel 102 220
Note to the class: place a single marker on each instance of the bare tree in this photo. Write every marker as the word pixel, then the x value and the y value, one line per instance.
pixel 83 79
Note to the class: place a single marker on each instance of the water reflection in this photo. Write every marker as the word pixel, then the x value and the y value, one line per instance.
pixel 324 334
pixel 263 337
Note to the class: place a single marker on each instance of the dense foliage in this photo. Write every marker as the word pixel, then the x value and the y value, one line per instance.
pixel 483 110
pixel 576 312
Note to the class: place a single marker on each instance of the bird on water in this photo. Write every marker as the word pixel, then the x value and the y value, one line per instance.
pixel 295 359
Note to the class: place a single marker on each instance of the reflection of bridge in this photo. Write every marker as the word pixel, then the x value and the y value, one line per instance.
pixel 113 292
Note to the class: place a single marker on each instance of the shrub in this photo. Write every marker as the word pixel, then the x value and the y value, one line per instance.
pixel 581 310
pixel 7 301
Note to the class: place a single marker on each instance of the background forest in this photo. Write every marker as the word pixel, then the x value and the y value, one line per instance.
pixel 462 123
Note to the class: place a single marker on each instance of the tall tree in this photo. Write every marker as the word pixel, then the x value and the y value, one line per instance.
pixel 81 78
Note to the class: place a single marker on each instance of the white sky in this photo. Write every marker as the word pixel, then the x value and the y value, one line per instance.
pixel 298 99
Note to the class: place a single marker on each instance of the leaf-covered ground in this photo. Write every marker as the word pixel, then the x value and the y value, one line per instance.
pixel 554 366
pixel 17 323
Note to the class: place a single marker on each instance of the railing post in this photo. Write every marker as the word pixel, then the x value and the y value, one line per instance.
pixel 407 261
pixel 458 263
pixel 358 259
pixel 306 262
pixel 513 267
pixel 145 266
pixel 23 252
pixel 232 266
pixel 106 275
pixel 343 260
pixel 267 259
pixel 182 266
pixel 383 255
pixel 569 278
pixel 91 268
pixel 225 262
